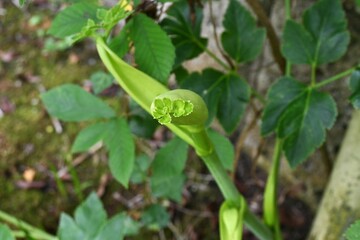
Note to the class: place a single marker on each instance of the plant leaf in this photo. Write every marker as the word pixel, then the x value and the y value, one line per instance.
pixel 300 116
pixel 154 52
pixel 72 19
pixel 88 137
pixel 322 38
pixel 139 174
pixel 353 232
pixel 121 147
pixel 120 226
pixel 101 81
pixel 224 149
pixel 226 96
pixel 242 39
pixel 90 216
pixel 121 43
pixel 70 102
pixel 142 124
pixel 68 229
pixel 184 31
pixel 5 233
pixel 355 89
pixel 167 178
pixel 155 217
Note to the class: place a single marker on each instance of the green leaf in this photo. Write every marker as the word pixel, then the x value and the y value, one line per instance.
pixel 224 149
pixel 101 81
pixel 167 179
pixel 120 43
pixel 357 2
pixel 242 39
pixel 120 143
pixel 68 229
pixel 184 28
pixel 355 89
pixel 154 52
pixel 300 116
pixel 21 2
pixel 353 232
pixel 142 163
pixel 90 215
pixel 142 124
pixel 70 102
pixel 5 233
pixel 226 96
pixel 88 137
pixel 72 19
pixel 322 38
pixel 120 226
pixel 155 217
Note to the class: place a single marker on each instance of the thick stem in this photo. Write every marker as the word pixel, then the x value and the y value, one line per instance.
pixel 40 234
pixel 271 212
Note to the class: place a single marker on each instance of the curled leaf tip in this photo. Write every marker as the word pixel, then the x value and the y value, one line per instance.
pixel 179 106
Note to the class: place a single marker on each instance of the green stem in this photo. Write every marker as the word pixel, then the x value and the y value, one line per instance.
pixel 313 74
pixel 288 17
pixel 258 96
pixel 212 55
pixel 205 150
pixel 33 231
pixel 271 212
pixel 334 78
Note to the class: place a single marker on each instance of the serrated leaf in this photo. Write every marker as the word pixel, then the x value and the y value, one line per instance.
pixel 355 89
pixel 300 116
pixel 226 96
pixel 242 39
pixel 72 19
pixel 100 81
pixel 167 178
pixel 120 43
pixel 353 232
pixel 154 52
pixel 224 149
pixel 120 226
pixel 322 38
pixel 70 102
pixel 68 229
pixel 155 217
pixel 5 233
pixel 184 28
pixel 88 137
pixel 90 216
pixel 121 147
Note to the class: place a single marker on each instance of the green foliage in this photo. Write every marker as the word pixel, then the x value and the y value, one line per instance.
pixel 242 40
pixel 353 232
pixel 154 52
pixel 142 164
pixel 100 81
pixel 357 2
pixel 120 43
pixel 90 222
pixel 89 136
pixel 70 102
pixel 224 149
pixel 72 19
pixel 322 38
pixel 355 89
pixel 231 219
pixel 5 233
pixel 121 147
pixel 300 116
pixel 226 96
pixel 155 217
pixel 22 2
pixel 142 124
pixel 167 179
pixel 184 32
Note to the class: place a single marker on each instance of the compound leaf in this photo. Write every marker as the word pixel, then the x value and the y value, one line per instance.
pixel 5 233
pixel 242 40
pixel 300 116
pixel 355 89
pixel 322 38
pixel 184 28
pixel 154 52
pixel 224 149
pixel 226 96
pixel 70 102
pixel 68 229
